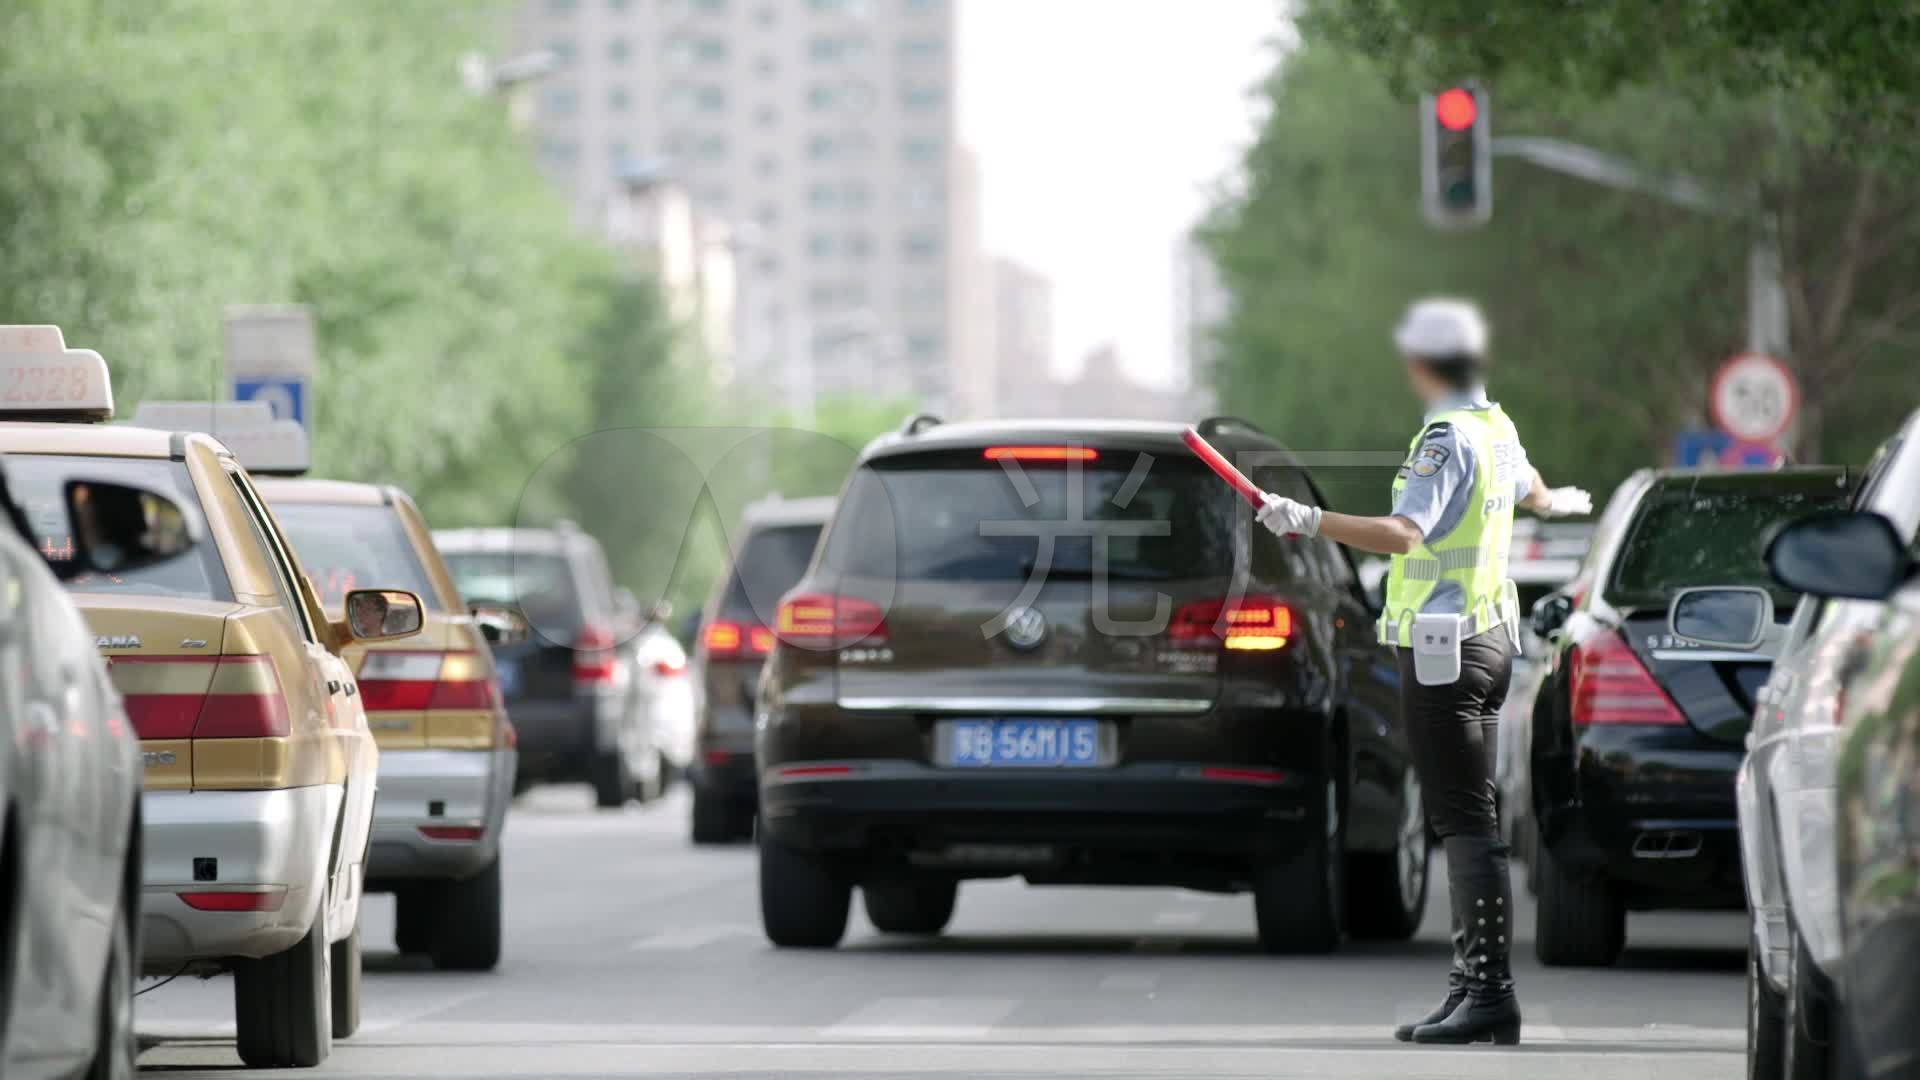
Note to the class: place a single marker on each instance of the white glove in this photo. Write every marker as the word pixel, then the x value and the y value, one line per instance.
pixel 1567 502
pixel 1286 517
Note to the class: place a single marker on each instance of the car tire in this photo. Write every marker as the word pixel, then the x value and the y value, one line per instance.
pixel 612 780
pixel 114 1044
pixel 910 907
pixel 1766 1022
pixel 1387 891
pixel 651 781
pixel 467 935
pixel 344 983
pixel 1298 901
pixel 413 911
pixel 1530 853
pixel 1807 1022
pixel 1578 921
pixel 804 898
pixel 715 821
pixel 283 1004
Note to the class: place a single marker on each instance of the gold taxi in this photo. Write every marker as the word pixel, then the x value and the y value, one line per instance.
pixel 447 757
pixel 260 767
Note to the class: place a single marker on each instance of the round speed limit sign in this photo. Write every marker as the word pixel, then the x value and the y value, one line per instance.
pixel 1754 397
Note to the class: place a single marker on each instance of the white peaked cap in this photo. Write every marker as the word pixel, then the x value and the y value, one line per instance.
pixel 1440 326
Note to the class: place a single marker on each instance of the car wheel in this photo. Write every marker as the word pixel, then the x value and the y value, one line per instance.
pixel 612 780
pixel 651 781
pixel 714 819
pixel 283 1004
pixel 1805 1044
pixel 1298 901
pixel 804 899
pixel 910 907
pixel 1579 921
pixel 345 984
pixel 467 933
pixel 114 1045
pixel 1766 1021
pixel 413 910
pixel 1387 891
pixel 1530 853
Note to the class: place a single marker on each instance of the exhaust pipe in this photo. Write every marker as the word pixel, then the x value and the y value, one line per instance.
pixel 1667 844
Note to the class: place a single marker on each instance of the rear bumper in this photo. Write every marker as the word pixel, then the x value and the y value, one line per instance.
pixel 438 789
pixel 1163 813
pixel 232 841
pixel 1657 816
pixel 557 738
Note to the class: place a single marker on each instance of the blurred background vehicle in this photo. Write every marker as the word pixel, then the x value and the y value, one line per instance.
pixel 772 548
pixel 70 785
pixel 1787 785
pixel 575 693
pixel 1021 652
pixel 447 755
pixel 1635 738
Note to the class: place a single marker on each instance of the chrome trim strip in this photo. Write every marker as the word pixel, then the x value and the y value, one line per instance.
pixel 1710 655
pixel 1029 706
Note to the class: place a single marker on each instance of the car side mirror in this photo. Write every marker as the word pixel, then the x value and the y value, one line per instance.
pixel 499 625
pixel 1850 554
pixel 383 614
pixel 117 528
pixel 1729 617
pixel 1550 613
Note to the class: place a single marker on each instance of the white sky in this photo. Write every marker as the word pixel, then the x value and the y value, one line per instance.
pixel 1100 125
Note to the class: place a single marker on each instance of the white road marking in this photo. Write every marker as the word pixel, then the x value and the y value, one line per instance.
pixel 693 937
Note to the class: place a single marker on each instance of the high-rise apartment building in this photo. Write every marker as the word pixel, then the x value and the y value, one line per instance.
pixel 822 130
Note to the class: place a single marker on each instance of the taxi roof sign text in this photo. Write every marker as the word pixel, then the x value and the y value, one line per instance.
pixel 259 441
pixel 42 379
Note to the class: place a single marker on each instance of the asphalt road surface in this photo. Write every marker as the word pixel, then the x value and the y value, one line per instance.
pixel 632 953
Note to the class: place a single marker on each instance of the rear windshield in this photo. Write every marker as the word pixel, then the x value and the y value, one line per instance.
pixel 959 518
pixel 1681 539
pixel 773 561
pixel 38 483
pixel 540 584
pixel 354 547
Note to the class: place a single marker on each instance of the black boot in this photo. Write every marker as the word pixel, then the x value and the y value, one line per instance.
pixel 1456 984
pixel 1490 1012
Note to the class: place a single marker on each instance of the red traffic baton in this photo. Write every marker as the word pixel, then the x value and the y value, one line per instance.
pixel 1224 469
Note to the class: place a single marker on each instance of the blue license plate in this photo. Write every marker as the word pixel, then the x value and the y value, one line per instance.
pixel 1024 743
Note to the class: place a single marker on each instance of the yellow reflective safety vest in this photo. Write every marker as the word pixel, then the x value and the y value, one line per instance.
pixel 1474 554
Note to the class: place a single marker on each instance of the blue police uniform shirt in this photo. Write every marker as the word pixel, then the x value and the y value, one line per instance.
pixel 1440 487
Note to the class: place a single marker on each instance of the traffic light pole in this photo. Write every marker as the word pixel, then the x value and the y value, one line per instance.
pixel 1766 294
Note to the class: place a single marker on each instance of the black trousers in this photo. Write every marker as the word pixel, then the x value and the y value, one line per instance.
pixel 1453 732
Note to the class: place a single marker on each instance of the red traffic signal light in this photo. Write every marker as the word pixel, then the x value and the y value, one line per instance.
pixel 1455 109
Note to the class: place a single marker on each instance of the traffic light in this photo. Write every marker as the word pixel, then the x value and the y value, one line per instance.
pixel 1456 172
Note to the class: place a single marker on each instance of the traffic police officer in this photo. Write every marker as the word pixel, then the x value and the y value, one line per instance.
pixel 1452 613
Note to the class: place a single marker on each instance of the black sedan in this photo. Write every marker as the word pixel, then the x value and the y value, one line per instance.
pixel 1636 736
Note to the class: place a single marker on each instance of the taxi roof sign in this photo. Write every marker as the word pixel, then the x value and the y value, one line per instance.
pixel 42 379
pixel 265 445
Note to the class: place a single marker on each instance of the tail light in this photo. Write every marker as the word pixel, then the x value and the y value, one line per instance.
pixel 593 660
pixel 669 668
pixel 412 681
pixel 1041 453
pixel 1252 623
pixel 234 900
pixel 1611 686
pixel 825 621
pixel 229 697
pixel 726 640
pixel 466 833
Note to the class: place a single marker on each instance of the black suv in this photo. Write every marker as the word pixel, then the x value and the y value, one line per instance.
pixel 1061 651
pixel 572 688
pixel 1627 768
pixel 772 548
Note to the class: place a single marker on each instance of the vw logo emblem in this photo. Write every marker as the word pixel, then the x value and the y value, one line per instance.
pixel 1026 628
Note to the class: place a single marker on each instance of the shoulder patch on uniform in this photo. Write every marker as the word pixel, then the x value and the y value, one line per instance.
pixel 1430 457
pixel 1438 427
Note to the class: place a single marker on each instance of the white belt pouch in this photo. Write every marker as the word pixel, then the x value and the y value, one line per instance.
pixel 1436 648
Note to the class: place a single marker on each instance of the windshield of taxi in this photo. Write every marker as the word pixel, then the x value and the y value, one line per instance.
pixel 38 483
pixel 344 548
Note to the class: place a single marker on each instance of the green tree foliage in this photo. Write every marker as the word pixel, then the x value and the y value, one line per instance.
pixel 1867 52
pixel 1610 310
pixel 164 159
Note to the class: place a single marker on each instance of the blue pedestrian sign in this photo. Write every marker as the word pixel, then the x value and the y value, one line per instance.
pixel 286 394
